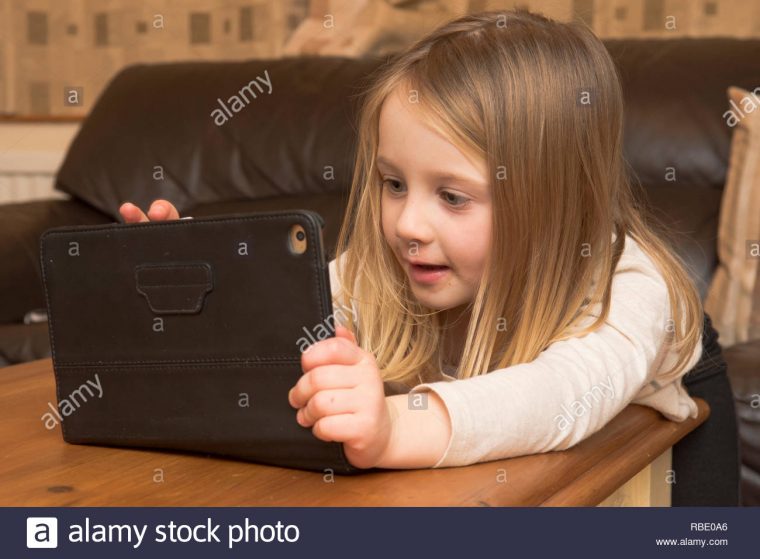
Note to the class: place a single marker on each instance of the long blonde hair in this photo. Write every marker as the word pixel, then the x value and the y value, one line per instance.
pixel 540 101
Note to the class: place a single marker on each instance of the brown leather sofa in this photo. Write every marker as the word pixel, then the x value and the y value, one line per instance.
pixel 151 135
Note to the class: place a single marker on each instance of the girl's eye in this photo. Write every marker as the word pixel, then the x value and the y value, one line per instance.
pixel 453 199
pixel 392 185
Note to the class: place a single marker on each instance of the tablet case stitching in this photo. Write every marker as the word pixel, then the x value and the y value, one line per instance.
pixel 43 266
pixel 232 360
pixel 177 267
pixel 144 288
pixel 163 365
pixel 174 223
pixel 176 285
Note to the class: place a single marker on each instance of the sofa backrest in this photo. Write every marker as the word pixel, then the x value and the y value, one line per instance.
pixel 677 140
pixel 199 132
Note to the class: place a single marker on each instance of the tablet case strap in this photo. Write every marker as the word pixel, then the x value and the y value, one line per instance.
pixel 176 288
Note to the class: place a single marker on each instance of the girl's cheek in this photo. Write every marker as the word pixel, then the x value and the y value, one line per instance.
pixel 471 274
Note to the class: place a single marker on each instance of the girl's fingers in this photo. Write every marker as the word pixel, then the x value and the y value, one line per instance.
pixel 326 402
pixel 328 377
pixel 162 210
pixel 132 214
pixel 331 351
pixel 340 428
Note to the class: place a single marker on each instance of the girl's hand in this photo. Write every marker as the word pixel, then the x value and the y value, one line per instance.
pixel 160 210
pixel 341 396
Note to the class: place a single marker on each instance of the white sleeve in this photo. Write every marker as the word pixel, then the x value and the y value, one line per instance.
pixel 341 309
pixel 573 388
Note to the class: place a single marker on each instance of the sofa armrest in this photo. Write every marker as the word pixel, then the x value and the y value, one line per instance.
pixel 21 225
pixel 744 374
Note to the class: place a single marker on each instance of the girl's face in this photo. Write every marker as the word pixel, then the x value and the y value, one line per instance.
pixel 436 206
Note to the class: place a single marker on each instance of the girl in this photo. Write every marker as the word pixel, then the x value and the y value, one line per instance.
pixel 499 268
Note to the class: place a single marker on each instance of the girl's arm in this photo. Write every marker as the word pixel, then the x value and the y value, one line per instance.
pixel 420 433
pixel 571 390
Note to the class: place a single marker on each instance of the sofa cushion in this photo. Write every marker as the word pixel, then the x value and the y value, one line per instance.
pixel 734 296
pixel 157 132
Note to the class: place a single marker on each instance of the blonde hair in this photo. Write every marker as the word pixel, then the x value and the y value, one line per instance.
pixel 508 87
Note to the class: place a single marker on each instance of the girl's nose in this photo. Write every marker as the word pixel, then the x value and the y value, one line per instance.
pixel 413 224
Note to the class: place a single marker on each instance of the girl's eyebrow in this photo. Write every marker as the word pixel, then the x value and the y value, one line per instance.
pixel 462 179
pixel 383 161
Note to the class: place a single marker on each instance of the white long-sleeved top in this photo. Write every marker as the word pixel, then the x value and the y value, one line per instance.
pixel 575 386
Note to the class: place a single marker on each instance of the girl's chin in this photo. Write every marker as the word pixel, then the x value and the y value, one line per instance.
pixel 437 301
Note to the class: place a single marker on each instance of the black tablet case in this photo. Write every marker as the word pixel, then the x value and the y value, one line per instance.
pixel 192 328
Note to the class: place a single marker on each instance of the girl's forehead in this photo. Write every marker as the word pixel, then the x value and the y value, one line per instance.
pixel 406 125
pixel 401 127
pixel 397 105
pixel 405 107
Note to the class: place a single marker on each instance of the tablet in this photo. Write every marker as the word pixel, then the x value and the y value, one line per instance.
pixel 188 334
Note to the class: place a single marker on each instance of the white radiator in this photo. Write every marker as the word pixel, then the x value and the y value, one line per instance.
pixel 18 187
pixel 30 155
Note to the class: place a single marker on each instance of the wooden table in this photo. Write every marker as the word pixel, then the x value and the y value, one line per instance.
pixel 623 464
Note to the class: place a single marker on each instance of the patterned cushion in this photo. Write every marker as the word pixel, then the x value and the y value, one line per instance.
pixel 733 300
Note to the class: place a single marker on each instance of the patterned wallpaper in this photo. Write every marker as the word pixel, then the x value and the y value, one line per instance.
pixel 57 55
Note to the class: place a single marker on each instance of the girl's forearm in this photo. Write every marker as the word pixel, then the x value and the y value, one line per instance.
pixel 419 437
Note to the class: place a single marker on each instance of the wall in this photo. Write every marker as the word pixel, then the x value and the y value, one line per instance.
pixel 57 55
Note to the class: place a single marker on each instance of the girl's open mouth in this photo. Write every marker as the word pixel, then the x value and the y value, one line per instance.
pixel 423 273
